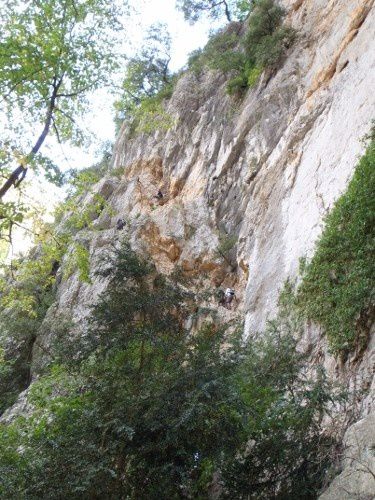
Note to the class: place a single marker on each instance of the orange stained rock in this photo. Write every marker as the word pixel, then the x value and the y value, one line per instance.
pixel 158 245
pixel 358 16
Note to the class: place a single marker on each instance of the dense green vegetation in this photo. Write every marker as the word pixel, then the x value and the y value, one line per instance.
pixel 141 408
pixel 337 290
pixel 26 292
pixel 245 56
pixel 53 53
pixel 136 406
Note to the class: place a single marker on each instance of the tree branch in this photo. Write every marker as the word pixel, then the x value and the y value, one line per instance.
pixel 19 173
pixel 227 11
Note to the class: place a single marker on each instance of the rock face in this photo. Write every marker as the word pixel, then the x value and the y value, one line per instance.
pixel 357 478
pixel 261 172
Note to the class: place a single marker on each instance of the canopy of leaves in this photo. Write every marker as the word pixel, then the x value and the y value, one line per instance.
pixel 54 43
pixel 193 10
pixel 52 54
pixel 143 409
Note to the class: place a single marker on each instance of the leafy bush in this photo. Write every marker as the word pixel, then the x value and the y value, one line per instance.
pixel 253 75
pixel 285 454
pixel 224 249
pixel 72 216
pixel 270 49
pixel 150 114
pixel 220 52
pixel 263 46
pixel 78 259
pixel 337 290
pixel 151 411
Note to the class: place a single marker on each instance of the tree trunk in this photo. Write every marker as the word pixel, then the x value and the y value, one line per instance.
pixel 19 173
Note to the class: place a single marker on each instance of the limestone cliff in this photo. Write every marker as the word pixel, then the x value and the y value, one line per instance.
pixel 264 171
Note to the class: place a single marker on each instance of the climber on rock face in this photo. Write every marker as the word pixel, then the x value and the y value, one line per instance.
pixel 228 298
pixel 159 196
pixel 120 224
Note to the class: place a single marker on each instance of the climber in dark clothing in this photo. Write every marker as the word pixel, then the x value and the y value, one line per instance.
pixel 159 196
pixel 120 224
pixel 225 299
pixel 228 298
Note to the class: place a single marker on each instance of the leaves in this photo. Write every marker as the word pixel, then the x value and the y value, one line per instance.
pixel 140 408
pixel 245 56
pixel 337 290
pixel 193 10
pixel 53 53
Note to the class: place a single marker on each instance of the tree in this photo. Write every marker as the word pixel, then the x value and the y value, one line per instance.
pixel 147 74
pixel 52 54
pixel 193 10
pixel 246 55
pixel 267 38
pixel 139 407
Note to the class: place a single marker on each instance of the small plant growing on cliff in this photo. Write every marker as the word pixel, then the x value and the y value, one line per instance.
pixel 245 57
pixel 225 247
pixel 78 259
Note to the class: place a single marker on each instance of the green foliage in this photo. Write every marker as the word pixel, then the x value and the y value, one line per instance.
pixel 253 76
pixel 72 214
pixel 147 410
pixel 7 394
pixel 27 285
pixel 337 290
pixel 285 454
pixel 78 259
pixel 225 246
pixel 245 57
pixel 147 84
pixel 27 290
pixel 4 249
pixel 52 54
pixel 11 213
pixel 150 114
pixel 193 10
pixel 219 54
